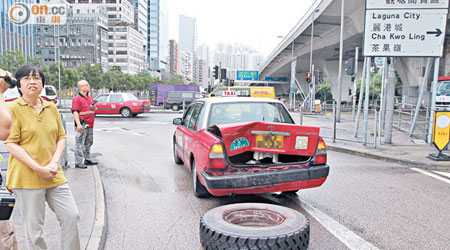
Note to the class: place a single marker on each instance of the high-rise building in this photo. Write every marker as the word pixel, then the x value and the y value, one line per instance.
pixel 140 15
pixel 202 77
pixel 126 43
pixel 14 37
pixel 82 40
pixel 235 57
pixel 174 56
pixel 186 61
pixel 187 33
pixel 158 37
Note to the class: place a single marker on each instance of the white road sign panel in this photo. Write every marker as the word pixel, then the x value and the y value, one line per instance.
pixel 412 32
pixel 406 4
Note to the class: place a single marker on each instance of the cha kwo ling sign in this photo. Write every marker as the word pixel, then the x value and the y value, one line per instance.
pixel 401 28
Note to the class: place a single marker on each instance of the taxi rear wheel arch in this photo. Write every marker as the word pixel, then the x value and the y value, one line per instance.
pixel 200 191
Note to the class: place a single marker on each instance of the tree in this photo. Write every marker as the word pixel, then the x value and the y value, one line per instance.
pixel 11 60
pixel 92 74
pixel 323 91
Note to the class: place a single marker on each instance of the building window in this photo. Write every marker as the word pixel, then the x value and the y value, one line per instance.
pixel 121 52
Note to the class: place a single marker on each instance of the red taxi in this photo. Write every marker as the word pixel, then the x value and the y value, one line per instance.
pixel 242 145
pixel 125 104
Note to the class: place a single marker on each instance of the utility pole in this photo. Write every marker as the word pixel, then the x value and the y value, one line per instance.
pixel 339 87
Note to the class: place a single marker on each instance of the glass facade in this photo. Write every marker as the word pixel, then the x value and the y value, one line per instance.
pixel 14 37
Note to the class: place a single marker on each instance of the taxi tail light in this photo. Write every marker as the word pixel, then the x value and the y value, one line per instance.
pixel 216 157
pixel 321 152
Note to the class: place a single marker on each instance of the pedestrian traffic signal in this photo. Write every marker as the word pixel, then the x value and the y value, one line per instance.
pixel 216 72
pixel 209 89
pixel 350 66
pixel 308 77
pixel 231 82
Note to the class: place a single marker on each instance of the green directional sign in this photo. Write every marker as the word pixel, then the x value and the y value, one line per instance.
pixel 248 75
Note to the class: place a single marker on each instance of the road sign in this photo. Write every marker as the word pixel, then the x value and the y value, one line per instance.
pixel 441 129
pixel 414 28
pixel 407 4
pixel 412 32
pixel 246 75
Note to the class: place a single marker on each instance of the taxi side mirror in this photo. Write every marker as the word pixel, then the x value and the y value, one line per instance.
pixel 177 121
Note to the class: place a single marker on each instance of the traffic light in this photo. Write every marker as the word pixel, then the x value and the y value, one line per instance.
pixel 231 82
pixel 308 77
pixel 318 76
pixel 216 72
pixel 209 89
pixel 223 74
pixel 350 66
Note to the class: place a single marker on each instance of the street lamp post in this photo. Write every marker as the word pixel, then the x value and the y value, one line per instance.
pixel 310 59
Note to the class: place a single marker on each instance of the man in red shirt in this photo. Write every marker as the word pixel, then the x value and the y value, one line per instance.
pixel 83 108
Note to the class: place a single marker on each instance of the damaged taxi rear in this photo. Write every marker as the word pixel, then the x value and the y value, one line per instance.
pixel 260 152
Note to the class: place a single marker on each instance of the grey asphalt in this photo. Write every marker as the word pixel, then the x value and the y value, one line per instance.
pixel 88 191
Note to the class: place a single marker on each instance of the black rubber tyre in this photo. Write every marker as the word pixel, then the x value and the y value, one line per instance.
pixel 199 190
pixel 176 158
pixel 293 192
pixel 125 112
pixel 253 226
pixel 175 107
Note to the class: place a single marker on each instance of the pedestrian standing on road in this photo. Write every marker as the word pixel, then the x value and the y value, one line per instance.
pixel 83 108
pixel 8 240
pixel 36 144
pixel 5 117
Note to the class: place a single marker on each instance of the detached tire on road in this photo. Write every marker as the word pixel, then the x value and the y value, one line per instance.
pixel 254 226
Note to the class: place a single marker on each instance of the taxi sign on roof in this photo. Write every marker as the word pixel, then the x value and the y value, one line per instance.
pixel 229 93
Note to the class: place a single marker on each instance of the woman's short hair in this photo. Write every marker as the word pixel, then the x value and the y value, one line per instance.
pixel 25 70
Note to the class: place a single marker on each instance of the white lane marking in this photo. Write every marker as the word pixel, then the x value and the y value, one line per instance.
pixel 431 175
pixel 117 130
pixel 349 238
pixel 443 173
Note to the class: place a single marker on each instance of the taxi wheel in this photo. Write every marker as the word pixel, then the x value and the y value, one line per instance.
pixel 125 112
pixel 199 190
pixel 254 226
pixel 176 158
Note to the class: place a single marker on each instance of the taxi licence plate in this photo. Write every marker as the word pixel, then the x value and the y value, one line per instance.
pixel 269 141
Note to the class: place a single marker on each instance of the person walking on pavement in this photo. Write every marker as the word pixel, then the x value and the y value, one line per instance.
pixel 8 240
pixel 36 144
pixel 83 107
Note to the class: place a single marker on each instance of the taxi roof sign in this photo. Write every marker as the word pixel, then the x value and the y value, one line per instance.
pixel 229 93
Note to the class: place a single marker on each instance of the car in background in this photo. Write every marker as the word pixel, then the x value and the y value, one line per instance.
pixel 245 145
pixel 175 99
pixel 125 104
pixel 48 93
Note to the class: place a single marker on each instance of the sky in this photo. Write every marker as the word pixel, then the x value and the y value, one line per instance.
pixel 255 23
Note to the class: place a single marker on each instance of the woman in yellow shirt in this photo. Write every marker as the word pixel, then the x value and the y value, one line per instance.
pixel 36 144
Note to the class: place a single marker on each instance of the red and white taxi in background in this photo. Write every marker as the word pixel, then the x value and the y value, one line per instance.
pixel 125 104
pixel 48 93
pixel 244 145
